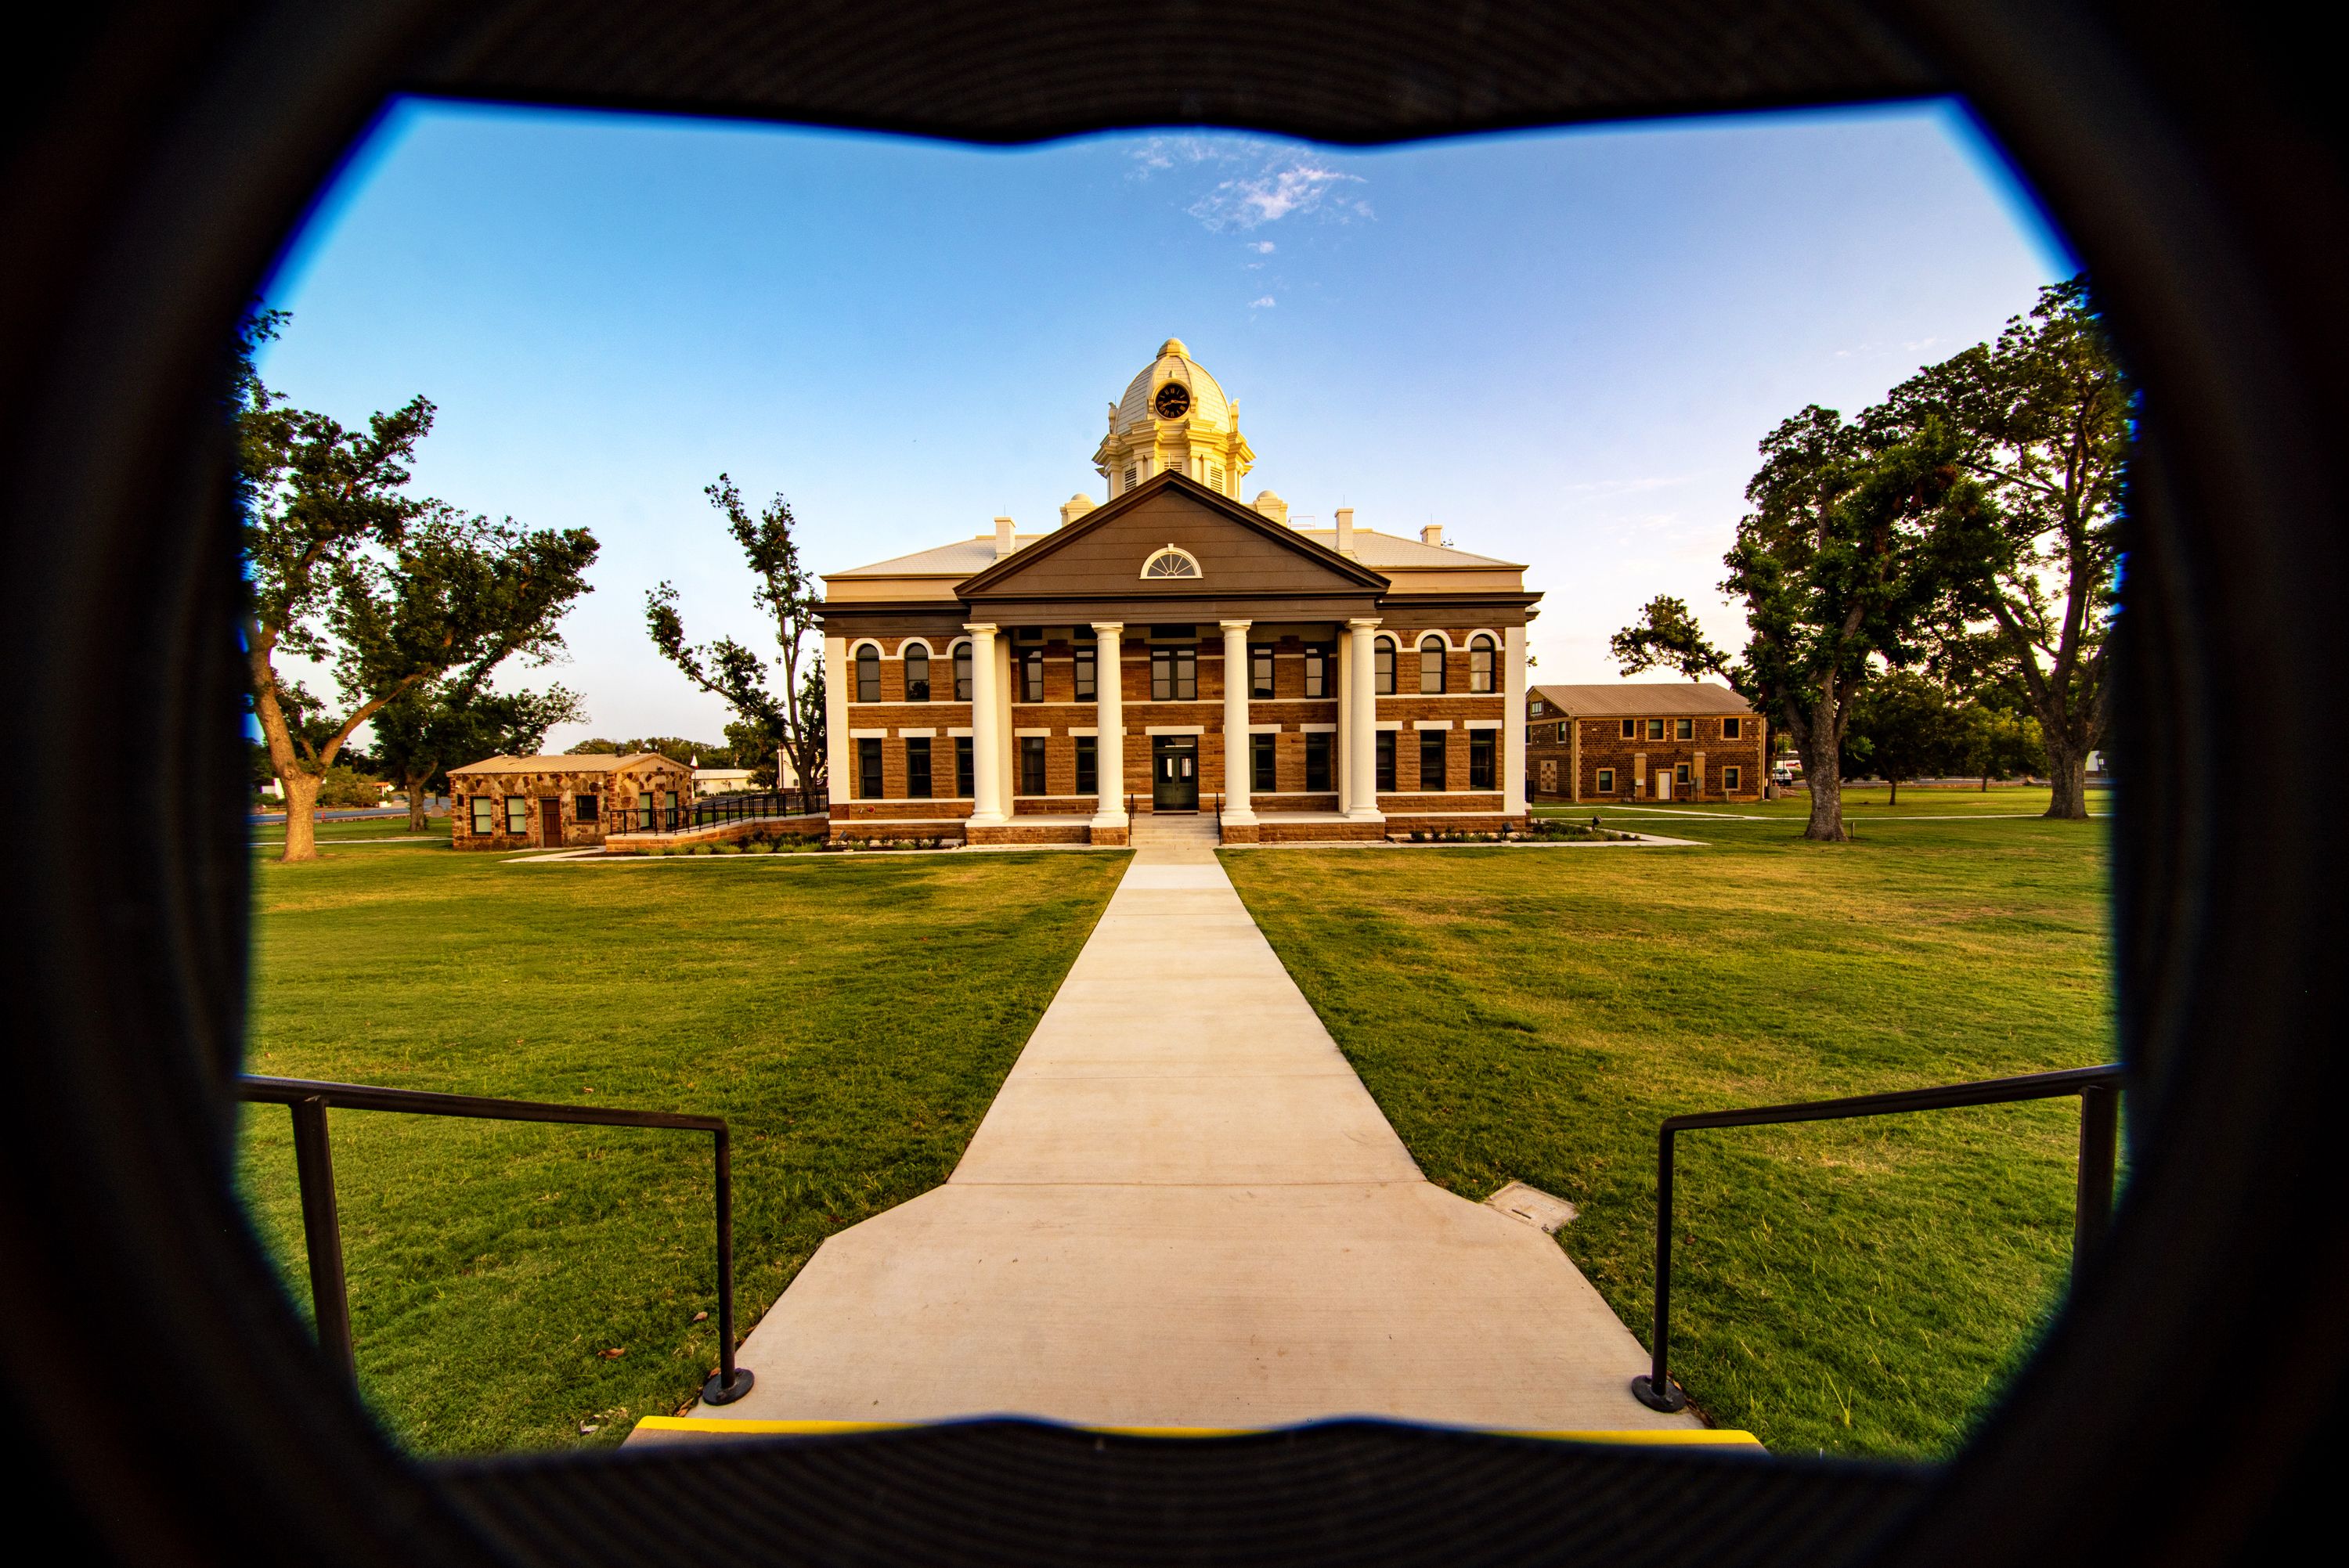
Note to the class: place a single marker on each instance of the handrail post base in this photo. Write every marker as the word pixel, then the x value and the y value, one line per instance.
pixel 721 1390
pixel 1674 1399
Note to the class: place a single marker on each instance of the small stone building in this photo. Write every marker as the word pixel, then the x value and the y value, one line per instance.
pixel 553 802
pixel 1644 740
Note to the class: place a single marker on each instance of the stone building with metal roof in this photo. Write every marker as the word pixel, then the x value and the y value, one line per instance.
pixel 551 802
pixel 1645 740
pixel 1176 650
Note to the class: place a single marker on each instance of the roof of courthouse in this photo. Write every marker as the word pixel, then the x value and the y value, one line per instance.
pixel 968 557
pixel 1642 699
pixel 569 762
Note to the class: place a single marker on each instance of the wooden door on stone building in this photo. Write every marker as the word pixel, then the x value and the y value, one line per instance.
pixel 1549 776
pixel 550 819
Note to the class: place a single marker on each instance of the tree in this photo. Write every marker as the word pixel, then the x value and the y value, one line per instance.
pixel 794 720
pixel 389 590
pixel 2044 419
pixel 436 724
pixel 1852 548
pixel 1995 742
pixel 1903 726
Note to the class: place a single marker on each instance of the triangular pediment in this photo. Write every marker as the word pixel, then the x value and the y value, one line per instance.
pixel 1239 553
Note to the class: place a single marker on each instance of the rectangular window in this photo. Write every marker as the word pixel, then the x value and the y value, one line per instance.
pixel 1535 707
pixel 1730 778
pixel 1382 669
pixel 518 814
pixel 1732 729
pixel 868 674
pixel 1317 672
pixel 1683 729
pixel 1430 666
pixel 485 815
pixel 1260 672
pixel 1655 730
pixel 1386 776
pixel 965 773
pixel 1261 768
pixel 1317 763
pixel 1087 687
pixel 1480 664
pixel 584 807
pixel 1631 730
pixel 1606 781
pixel 917 673
pixel 1031 675
pixel 645 810
pixel 1480 758
pixel 1031 765
pixel 962 672
pixel 917 768
pixel 868 768
pixel 1680 774
pixel 1088 765
pixel 1431 758
pixel 1175 675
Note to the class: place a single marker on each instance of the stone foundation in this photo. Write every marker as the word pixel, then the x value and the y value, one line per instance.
pixel 1035 830
pixel 1403 827
pixel 1273 830
pixel 868 830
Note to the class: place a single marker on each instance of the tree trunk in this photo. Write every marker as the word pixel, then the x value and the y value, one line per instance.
pixel 2067 781
pixel 1985 788
pixel 1823 770
pixel 1896 792
pixel 418 800
pixel 301 816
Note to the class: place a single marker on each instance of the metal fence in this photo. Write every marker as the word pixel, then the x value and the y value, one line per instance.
pixel 715 810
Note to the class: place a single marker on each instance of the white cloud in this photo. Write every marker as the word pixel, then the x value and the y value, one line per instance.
pixel 1264 303
pixel 1282 182
pixel 1261 247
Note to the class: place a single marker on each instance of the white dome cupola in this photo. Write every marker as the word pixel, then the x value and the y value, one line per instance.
pixel 1175 416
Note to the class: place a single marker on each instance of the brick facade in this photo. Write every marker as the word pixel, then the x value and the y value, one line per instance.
pixel 1576 759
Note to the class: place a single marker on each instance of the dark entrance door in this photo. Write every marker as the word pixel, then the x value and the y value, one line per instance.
pixel 1174 773
pixel 550 819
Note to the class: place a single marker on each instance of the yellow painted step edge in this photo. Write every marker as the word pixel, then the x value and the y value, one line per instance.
pixel 718 1426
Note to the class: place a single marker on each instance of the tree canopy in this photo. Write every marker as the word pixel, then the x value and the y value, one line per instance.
pixel 388 590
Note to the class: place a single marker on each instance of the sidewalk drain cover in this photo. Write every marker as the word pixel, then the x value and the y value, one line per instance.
pixel 1534 1206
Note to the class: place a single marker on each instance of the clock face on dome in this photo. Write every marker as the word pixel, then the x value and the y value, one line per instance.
pixel 1173 400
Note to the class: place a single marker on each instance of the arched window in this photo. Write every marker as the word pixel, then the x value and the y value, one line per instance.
pixel 1170 562
pixel 917 673
pixel 962 672
pixel 868 674
pixel 1431 663
pixel 1480 664
pixel 1383 657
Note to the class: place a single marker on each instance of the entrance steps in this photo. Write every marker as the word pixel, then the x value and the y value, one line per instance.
pixel 1171 829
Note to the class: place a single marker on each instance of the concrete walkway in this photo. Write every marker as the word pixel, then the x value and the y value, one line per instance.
pixel 1183 1210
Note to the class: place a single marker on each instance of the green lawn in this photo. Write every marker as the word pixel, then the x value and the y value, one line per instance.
pixel 1857 1287
pixel 852 1017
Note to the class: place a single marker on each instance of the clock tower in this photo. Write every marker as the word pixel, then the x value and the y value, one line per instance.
pixel 1174 416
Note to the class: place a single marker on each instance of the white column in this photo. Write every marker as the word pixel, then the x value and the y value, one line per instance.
pixel 839 753
pixel 1341 684
pixel 1108 708
pixel 986 729
pixel 1363 710
pixel 1238 758
pixel 1513 722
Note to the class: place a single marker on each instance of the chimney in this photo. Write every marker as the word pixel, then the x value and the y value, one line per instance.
pixel 1345 543
pixel 1431 534
pixel 1003 544
pixel 1075 507
pixel 1271 506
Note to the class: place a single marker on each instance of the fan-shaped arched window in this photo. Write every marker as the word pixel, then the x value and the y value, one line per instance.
pixel 1170 562
pixel 1431 663
pixel 1480 664
pixel 868 674
pixel 917 673
pixel 1382 665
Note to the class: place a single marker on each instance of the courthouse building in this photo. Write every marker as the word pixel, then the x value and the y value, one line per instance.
pixel 1176 649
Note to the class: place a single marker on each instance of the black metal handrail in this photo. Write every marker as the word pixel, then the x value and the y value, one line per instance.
pixel 2091 1201
pixel 321 1231
pixel 744 805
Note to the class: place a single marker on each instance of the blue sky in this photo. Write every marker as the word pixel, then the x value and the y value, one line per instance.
pixel 1563 347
